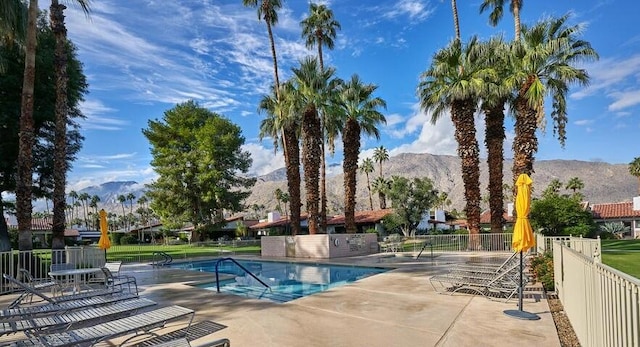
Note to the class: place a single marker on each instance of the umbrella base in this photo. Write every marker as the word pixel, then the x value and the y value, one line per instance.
pixel 521 314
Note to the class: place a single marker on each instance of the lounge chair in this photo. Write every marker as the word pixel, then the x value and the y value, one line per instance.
pixel 116 282
pixel 183 342
pixel 36 283
pixel 31 290
pixel 142 323
pixel 503 282
pixel 62 307
pixel 36 326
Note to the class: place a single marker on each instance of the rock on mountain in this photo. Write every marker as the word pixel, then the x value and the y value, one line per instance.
pixel 603 182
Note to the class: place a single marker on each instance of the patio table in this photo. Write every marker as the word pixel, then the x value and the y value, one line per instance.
pixel 75 276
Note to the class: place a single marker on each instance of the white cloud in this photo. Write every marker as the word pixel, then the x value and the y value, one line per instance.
pixel 264 159
pixel 582 122
pixel 624 100
pixel 416 10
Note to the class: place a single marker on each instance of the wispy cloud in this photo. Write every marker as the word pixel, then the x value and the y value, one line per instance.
pixel 415 10
pixel 582 122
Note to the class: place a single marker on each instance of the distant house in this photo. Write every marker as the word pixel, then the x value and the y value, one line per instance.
pixel 620 212
pixel 485 220
pixel 41 227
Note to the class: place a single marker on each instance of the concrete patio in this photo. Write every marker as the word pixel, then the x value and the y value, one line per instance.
pixel 396 308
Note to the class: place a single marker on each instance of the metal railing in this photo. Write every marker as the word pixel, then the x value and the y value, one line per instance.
pixel 602 303
pixel 240 266
pixel 488 242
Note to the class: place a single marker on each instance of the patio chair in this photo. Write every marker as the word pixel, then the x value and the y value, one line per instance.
pixel 116 282
pixel 502 283
pixel 139 324
pixel 31 290
pixel 62 307
pixel 183 342
pixel 36 326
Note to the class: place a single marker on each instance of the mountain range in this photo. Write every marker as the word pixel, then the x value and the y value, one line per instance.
pixel 603 182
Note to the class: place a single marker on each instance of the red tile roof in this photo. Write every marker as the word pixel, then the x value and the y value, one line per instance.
pixel 615 210
pixel 485 217
pixel 362 217
pixel 44 224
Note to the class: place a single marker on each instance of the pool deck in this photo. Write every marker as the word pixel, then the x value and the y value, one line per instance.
pixel 395 308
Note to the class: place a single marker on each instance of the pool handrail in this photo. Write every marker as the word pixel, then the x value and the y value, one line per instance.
pixel 166 259
pixel 242 267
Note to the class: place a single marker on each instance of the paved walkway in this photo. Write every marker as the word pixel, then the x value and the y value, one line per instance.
pixel 396 308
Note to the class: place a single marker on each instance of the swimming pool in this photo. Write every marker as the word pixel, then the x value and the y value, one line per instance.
pixel 288 281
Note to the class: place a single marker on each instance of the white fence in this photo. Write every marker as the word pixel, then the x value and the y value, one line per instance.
pixel 602 303
pixel 488 242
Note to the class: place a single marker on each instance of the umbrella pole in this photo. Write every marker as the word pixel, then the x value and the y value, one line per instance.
pixel 519 313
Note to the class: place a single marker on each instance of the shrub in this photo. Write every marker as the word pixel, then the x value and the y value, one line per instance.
pixel 128 240
pixel 542 266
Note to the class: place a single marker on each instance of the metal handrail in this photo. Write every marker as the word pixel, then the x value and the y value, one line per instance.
pixel 242 267
pixel 167 259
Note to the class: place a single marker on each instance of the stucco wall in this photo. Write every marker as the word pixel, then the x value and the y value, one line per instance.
pixel 321 245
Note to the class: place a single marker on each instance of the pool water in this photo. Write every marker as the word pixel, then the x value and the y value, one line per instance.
pixel 288 281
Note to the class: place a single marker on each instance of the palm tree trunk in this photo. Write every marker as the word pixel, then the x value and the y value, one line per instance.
pixel 462 114
pixel 311 163
pixel 292 158
pixel 323 163
pixel 25 157
pixel 60 145
pixel 494 140
pixel 369 190
pixel 351 140
pixel 273 54
pixel 516 18
pixel 525 143
pixel 5 243
pixel 456 23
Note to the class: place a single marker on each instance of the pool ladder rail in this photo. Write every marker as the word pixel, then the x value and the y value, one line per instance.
pixel 240 266
pixel 162 259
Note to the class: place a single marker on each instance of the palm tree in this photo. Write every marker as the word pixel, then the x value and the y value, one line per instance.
pixel 497 9
pixel 268 11
pixel 456 22
pixel 26 136
pixel 380 155
pixel 94 204
pixel 122 199
pixel 543 63
pixel 278 195
pixel 367 167
pixel 285 199
pixel 59 30
pixel 453 82
pixel 494 97
pixel 84 198
pixel 360 109
pixel 282 125
pixel 574 184
pixel 381 186
pixel 319 29
pixel 73 195
pixel 13 23
pixel 312 87
pixel 634 170
pixel 131 197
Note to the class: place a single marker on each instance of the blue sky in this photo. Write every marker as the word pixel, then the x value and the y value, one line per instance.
pixel 142 57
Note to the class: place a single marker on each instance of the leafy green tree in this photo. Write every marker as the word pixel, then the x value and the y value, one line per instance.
pixel 411 200
pixel 553 188
pixel 200 162
pixel 634 170
pixel 556 215
pixel 360 109
pixel 367 167
pixel 11 81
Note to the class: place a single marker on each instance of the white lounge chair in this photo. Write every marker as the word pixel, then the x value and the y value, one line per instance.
pixel 142 323
pixel 36 326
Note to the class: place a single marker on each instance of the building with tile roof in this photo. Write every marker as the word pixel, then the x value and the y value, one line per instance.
pixel 627 213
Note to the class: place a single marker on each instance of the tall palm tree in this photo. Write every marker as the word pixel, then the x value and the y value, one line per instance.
pixel 131 197
pixel 544 64
pixel 312 87
pixel 380 155
pixel 360 108
pixel 494 97
pixel 26 137
pixel 278 195
pixel 282 125
pixel 268 11
pixel 319 29
pixel 634 170
pixel 84 199
pixel 59 30
pixel 74 196
pixel 456 22
pixel 497 10
pixel 367 167
pixel 453 82
pixel 122 199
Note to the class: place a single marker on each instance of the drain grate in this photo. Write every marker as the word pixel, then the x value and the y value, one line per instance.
pixel 194 332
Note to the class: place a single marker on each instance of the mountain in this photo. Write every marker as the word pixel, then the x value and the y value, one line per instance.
pixel 603 182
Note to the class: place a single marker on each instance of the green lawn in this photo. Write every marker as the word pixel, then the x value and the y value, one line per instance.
pixel 623 255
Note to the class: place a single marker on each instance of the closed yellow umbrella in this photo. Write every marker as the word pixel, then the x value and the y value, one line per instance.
pixel 522 238
pixel 104 242
pixel 522 233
